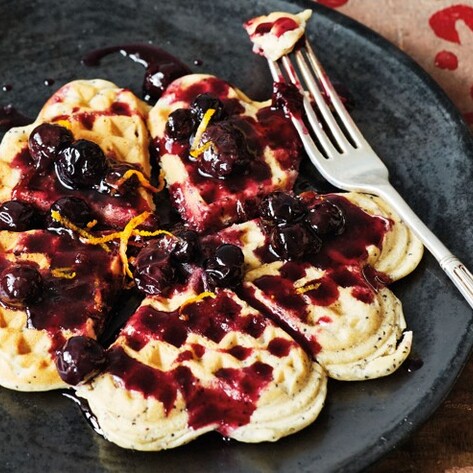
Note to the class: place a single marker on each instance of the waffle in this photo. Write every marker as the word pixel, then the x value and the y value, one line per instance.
pixel 80 283
pixel 335 302
pixel 180 369
pixel 95 110
pixel 208 203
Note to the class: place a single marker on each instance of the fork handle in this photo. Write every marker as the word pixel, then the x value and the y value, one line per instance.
pixel 453 267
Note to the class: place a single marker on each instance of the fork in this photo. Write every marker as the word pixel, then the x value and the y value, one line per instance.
pixel 346 160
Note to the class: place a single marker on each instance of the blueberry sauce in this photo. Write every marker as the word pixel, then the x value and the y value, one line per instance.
pixel 161 67
pixel 280 347
pixel 342 257
pixel 212 319
pixel 10 117
pixel 236 195
pixel 68 302
pixel 43 188
pixel 278 28
pixel 286 97
pixel 214 404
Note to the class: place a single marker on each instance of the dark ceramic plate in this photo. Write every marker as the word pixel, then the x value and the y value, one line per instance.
pixel 427 148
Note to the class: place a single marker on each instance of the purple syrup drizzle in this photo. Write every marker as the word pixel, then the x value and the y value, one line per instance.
pixel 161 67
pixel 10 117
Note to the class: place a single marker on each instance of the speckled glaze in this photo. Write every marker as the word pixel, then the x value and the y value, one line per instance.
pixel 406 118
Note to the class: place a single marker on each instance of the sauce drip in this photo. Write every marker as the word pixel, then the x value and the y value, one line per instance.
pixel 10 117
pixel 161 67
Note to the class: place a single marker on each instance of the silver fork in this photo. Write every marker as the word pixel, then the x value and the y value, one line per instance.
pixel 347 161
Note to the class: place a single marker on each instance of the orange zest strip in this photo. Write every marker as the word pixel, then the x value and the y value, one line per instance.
pixel 125 235
pixel 65 273
pixel 64 123
pixel 199 297
pixel 92 224
pixel 309 287
pixel 195 153
pixel 142 179
pixel 146 233
pixel 83 233
pixel 200 131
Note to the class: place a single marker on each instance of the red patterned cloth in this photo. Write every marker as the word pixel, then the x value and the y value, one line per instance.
pixel 437 34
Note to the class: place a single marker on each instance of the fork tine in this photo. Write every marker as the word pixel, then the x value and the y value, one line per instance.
pixel 319 132
pixel 321 102
pixel 332 95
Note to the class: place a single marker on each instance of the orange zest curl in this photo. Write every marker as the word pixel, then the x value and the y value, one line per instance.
pixel 64 123
pixel 143 180
pixel 83 233
pixel 64 273
pixel 199 297
pixel 194 152
pixel 307 288
pixel 91 224
pixel 125 235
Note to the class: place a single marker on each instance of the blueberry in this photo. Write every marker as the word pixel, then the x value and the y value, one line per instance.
pixel 154 272
pixel 18 216
pixel 187 246
pixel 326 218
pixel 204 102
pixel 227 153
pixel 45 142
pixel 80 359
pixel 80 165
pixel 225 268
pixel 282 208
pixel 74 209
pixel 20 284
pixel 180 125
pixel 293 241
pixel 115 171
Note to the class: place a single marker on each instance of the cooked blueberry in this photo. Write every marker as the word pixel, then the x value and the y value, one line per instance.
pixel 18 216
pixel 74 209
pixel 45 142
pixel 228 150
pixel 187 246
pixel 293 241
pixel 115 171
pixel 158 76
pixel 225 268
pixel 80 359
pixel 20 284
pixel 282 208
pixel 204 102
pixel 154 272
pixel 82 164
pixel 180 124
pixel 326 218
